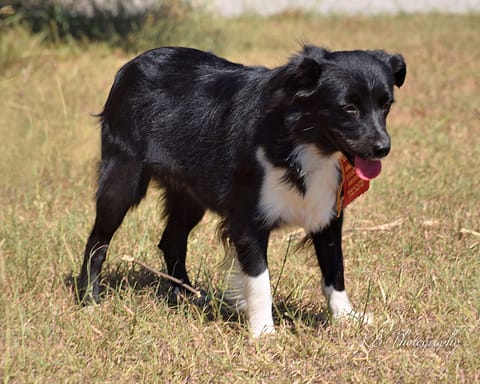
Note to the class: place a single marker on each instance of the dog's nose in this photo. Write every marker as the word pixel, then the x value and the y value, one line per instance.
pixel 380 149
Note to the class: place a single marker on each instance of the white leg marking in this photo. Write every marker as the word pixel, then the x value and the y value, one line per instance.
pixel 258 298
pixel 340 306
pixel 251 295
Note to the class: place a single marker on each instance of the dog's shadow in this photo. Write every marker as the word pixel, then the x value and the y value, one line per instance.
pixel 212 305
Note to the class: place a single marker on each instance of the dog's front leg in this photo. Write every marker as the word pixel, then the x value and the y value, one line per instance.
pixel 328 247
pixel 250 281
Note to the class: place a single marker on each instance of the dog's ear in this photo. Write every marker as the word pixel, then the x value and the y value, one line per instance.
pixel 396 62
pixel 298 79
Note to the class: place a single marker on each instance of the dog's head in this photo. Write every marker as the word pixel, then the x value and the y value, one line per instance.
pixel 339 101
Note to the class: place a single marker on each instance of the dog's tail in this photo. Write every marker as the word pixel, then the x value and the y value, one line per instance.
pixel 117 117
pixel 124 78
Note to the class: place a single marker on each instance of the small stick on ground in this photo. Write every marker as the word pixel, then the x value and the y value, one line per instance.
pixel 163 275
pixel 469 232
pixel 379 228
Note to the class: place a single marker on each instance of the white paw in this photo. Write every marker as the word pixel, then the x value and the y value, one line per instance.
pixel 361 317
pixel 258 330
pixel 341 308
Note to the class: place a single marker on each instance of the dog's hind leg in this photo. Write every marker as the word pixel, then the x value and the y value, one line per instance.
pixel 122 184
pixel 183 213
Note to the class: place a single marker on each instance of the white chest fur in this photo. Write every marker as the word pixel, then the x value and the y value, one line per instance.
pixel 281 201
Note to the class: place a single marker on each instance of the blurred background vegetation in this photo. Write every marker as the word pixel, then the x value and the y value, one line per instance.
pixel 130 25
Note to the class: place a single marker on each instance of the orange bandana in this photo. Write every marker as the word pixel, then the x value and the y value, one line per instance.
pixel 351 185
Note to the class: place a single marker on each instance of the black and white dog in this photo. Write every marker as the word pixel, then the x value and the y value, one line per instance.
pixel 258 146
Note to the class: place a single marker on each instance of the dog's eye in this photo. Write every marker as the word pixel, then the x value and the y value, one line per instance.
pixel 351 110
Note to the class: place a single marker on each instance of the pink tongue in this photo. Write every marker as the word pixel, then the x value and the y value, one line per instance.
pixel 367 169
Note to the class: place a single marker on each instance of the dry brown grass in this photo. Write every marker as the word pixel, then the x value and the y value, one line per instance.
pixel 419 277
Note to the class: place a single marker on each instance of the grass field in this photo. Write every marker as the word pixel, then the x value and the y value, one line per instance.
pixel 418 273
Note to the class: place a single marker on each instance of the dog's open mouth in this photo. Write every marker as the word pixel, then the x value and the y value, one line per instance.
pixel 367 169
